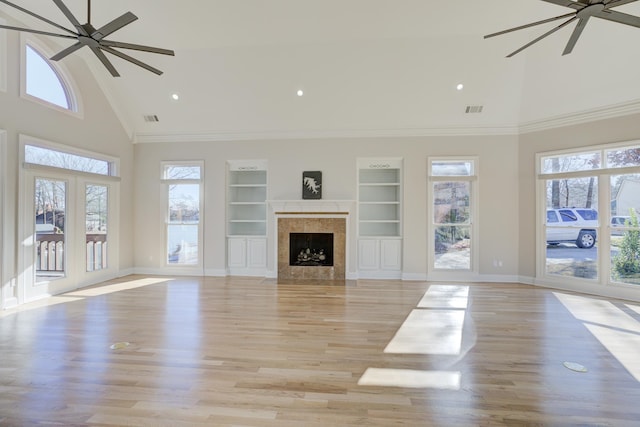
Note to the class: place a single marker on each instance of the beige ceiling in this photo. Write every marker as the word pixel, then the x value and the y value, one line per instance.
pixel 367 67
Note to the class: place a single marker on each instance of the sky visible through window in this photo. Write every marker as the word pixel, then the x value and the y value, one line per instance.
pixel 42 80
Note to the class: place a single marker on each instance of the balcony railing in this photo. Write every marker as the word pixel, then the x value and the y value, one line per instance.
pixel 50 249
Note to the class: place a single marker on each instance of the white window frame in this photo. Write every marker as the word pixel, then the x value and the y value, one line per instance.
pixel 165 183
pixel 71 88
pixel 472 273
pixel 603 284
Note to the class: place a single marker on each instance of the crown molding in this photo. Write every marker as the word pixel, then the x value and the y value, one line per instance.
pixel 144 138
pixel 581 117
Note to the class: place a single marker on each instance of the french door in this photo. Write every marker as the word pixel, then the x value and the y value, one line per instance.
pixel 68 232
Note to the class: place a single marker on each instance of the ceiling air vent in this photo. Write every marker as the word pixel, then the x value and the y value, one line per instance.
pixel 472 109
pixel 151 118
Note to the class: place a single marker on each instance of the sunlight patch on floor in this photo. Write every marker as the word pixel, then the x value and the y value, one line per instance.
pixel 625 346
pixel 633 307
pixel 429 332
pixel 117 287
pixel 445 296
pixel 598 311
pixel 616 330
pixel 434 327
pixel 410 378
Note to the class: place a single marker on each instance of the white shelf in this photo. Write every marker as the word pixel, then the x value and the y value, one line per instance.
pixel 246 198
pixel 379 197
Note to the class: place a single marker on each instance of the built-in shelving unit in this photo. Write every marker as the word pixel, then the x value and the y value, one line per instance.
pixel 379 213
pixel 380 216
pixel 246 198
pixel 246 216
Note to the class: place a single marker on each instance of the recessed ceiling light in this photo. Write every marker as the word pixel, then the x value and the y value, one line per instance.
pixel 300 92
pixel 460 86
pixel 175 96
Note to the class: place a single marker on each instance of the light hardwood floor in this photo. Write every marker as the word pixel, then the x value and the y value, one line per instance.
pixel 252 352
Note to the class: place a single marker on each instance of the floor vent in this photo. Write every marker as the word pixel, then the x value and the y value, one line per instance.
pixel 471 109
pixel 151 118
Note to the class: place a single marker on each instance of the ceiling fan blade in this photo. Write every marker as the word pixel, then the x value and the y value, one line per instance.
pixel 132 60
pixel 575 35
pixel 522 27
pixel 139 47
pixel 28 12
pixel 619 17
pixel 105 61
pixel 616 3
pixel 548 33
pixel 29 30
pixel 567 3
pixel 58 56
pixel 114 25
pixel 65 10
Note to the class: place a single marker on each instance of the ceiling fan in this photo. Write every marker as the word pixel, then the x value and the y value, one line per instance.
pixel 583 11
pixel 88 35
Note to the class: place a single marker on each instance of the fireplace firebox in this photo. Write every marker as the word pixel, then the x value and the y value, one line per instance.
pixel 311 249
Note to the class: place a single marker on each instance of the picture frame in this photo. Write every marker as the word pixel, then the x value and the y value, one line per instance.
pixel 311 185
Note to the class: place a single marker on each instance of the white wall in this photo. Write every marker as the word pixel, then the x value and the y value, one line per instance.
pixel 336 158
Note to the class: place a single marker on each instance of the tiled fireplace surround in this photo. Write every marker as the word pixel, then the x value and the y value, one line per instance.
pixel 312 216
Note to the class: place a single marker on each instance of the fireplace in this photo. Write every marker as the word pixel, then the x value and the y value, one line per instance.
pixel 311 249
pixel 305 227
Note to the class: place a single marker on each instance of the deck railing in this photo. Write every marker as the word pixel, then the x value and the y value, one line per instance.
pixel 50 252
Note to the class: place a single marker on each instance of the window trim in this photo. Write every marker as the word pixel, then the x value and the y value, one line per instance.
pixel 474 223
pixel 71 88
pixel 603 282
pixel 24 140
pixel 165 183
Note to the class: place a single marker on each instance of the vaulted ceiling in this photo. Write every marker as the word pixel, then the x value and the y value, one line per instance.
pixel 366 67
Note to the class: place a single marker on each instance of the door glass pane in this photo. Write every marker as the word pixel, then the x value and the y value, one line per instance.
pixel 572 227
pixel 184 217
pixel 453 248
pixel 452 231
pixel 50 208
pixel 182 244
pixel 96 221
pixel 625 232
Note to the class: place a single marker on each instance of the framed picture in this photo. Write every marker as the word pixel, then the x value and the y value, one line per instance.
pixel 312 185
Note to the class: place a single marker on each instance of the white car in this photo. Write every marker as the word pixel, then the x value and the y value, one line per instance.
pixel 572 225
pixel 617 222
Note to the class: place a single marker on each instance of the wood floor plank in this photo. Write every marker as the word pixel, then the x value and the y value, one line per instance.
pixel 252 352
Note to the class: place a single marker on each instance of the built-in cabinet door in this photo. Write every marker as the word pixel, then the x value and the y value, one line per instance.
pixel 368 250
pixel 390 254
pixel 380 254
pixel 256 253
pixel 237 252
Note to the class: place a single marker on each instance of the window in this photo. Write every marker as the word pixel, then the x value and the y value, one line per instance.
pixel 452 186
pixel 596 195
pixel 43 80
pixel 65 160
pixel 183 230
